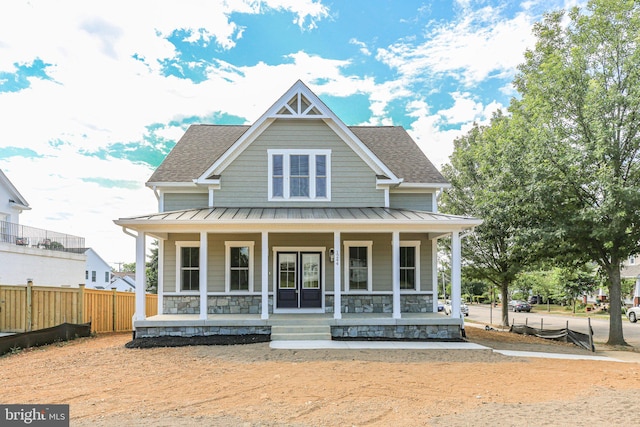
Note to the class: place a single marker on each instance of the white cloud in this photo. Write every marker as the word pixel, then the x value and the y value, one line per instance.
pixel 479 45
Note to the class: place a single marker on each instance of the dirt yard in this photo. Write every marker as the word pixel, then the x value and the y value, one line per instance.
pixel 106 384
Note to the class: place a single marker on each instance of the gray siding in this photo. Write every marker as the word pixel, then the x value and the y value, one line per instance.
pixel 412 201
pixel 381 259
pixel 179 201
pixel 244 182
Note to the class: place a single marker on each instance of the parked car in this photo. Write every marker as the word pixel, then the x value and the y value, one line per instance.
pixel 633 314
pixel 517 306
pixel 535 299
pixel 464 308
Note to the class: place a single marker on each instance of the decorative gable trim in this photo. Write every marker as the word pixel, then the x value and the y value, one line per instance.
pixel 299 102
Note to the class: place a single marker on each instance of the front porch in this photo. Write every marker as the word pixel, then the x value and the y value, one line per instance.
pixel 363 326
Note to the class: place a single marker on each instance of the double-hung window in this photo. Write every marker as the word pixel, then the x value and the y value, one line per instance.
pixel 358 271
pixel 188 265
pixel 299 174
pixel 410 265
pixel 239 266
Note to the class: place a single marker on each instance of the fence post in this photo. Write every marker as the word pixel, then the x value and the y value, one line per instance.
pixel 81 303
pixel 115 310
pixel 591 346
pixel 29 305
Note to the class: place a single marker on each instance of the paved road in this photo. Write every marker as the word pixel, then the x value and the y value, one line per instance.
pixel 539 317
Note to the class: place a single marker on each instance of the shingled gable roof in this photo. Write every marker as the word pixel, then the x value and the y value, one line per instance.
pixel 203 149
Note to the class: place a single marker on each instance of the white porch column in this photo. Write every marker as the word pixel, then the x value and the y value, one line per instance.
pixel 395 273
pixel 160 276
pixel 434 273
pixel 203 275
pixel 337 277
pixel 636 293
pixel 456 265
pixel 141 277
pixel 265 275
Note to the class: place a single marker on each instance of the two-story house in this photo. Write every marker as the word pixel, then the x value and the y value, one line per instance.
pixel 297 214
pixel 47 258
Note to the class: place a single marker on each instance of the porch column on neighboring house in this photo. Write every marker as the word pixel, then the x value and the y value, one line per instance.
pixel 434 273
pixel 337 277
pixel 636 294
pixel 141 277
pixel 203 275
pixel 395 273
pixel 456 265
pixel 265 275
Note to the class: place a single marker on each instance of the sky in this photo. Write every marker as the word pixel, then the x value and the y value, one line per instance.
pixel 94 94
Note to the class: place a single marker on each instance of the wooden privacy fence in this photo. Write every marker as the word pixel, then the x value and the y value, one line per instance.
pixel 28 308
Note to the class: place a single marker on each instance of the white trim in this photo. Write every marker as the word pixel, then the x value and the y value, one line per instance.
pixel 227 263
pixel 202 266
pixel 264 280
pixel 357 243
pixel 395 276
pixel 179 245
pixel 141 277
pixel 160 276
pixel 286 172
pixel 413 244
pixel 434 273
pixel 337 283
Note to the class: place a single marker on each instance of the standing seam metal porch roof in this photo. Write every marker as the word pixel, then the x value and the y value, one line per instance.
pixel 299 215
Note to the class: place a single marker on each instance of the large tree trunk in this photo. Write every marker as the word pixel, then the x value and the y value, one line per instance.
pixel 504 292
pixel 616 335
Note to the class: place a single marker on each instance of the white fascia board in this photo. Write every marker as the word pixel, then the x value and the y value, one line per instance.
pixel 19 206
pixel 165 185
pixel 236 149
pixel 429 185
pixel 21 201
pixel 360 148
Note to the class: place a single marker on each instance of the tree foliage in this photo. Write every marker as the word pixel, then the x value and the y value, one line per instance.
pixel 580 90
pixel 487 183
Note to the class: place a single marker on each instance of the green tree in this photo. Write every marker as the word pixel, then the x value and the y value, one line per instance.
pixel 580 89
pixel 486 182
pixel 152 269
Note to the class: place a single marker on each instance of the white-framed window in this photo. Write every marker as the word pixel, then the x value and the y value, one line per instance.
pixel 410 265
pixel 106 276
pixel 188 266
pixel 632 260
pixel 358 271
pixel 299 174
pixel 239 266
pixel 93 276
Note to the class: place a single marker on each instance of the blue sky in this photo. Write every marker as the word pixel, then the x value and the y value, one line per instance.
pixel 93 95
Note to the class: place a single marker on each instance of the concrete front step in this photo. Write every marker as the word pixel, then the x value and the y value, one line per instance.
pixel 300 333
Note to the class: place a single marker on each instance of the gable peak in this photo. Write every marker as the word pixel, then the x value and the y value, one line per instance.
pixel 299 102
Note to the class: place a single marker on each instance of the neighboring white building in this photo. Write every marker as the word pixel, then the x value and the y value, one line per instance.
pixel 98 272
pixel 46 257
pixel 123 284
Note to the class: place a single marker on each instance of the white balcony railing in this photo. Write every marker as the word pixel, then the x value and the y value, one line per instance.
pixel 23 235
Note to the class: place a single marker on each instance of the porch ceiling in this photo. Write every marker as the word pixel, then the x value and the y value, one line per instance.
pixel 298 219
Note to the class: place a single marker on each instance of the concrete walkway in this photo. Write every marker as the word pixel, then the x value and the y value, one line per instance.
pixel 420 345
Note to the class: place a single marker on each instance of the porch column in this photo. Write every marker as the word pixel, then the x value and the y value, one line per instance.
pixel 337 277
pixel 265 275
pixel 636 293
pixel 141 277
pixel 456 287
pixel 203 275
pixel 434 273
pixel 160 276
pixel 395 273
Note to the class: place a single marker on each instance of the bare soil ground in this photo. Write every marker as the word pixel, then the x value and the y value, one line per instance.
pixel 106 384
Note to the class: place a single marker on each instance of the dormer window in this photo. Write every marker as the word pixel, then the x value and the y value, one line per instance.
pixel 299 174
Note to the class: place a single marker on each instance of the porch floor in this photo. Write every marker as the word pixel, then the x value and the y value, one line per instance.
pixel 348 319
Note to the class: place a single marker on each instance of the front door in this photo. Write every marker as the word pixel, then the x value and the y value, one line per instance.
pixel 299 280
